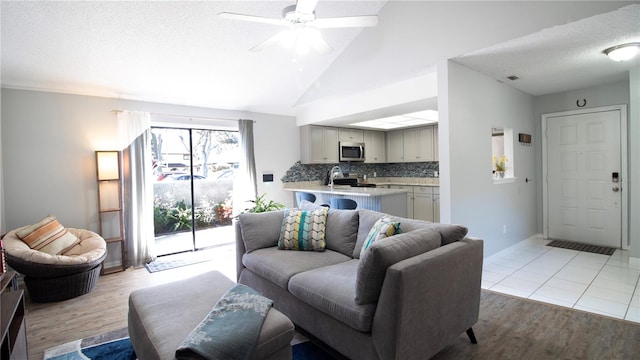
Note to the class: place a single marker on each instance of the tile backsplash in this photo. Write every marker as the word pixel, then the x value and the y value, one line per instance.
pixel 314 172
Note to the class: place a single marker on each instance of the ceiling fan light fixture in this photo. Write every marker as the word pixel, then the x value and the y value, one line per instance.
pixel 623 52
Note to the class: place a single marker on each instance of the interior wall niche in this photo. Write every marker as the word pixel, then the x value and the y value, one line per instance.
pixel 502 149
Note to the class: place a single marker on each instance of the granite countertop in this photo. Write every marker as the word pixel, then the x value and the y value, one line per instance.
pixel 319 187
pixel 343 190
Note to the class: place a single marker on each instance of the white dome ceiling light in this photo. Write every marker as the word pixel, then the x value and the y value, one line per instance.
pixel 623 52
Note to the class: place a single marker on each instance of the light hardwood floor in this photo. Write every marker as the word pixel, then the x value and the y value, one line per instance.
pixel 105 308
pixel 508 328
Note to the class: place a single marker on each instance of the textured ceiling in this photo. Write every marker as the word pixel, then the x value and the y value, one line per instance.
pixel 166 51
pixel 181 52
pixel 564 57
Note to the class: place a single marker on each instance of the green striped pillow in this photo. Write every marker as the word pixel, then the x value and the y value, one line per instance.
pixel 303 230
pixel 47 235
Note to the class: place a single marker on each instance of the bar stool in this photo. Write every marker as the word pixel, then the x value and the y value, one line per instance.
pixel 305 196
pixel 343 203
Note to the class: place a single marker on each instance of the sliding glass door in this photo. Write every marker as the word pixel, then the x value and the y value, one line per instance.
pixel 193 172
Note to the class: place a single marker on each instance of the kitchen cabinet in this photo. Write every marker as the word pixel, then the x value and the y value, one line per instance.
pixel 318 145
pixel 350 135
pixel 412 145
pixel 395 146
pixel 436 204
pixel 423 202
pixel 374 147
pixel 409 190
pixel 418 144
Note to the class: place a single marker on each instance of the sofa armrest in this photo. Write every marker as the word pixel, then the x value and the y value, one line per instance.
pixel 240 249
pixel 428 300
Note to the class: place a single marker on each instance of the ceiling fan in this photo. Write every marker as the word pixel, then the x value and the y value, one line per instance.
pixel 302 27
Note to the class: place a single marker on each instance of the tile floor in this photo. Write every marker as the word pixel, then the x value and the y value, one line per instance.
pixel 606 285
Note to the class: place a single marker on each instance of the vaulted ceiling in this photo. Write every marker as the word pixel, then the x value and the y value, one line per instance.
pixel 183 53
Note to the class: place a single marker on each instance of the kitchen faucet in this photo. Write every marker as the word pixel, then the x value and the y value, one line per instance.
pixel 333 173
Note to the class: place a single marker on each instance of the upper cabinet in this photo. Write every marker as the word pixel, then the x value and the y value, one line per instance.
pixel 374 147
pixel 395 147
pixel 351 135
pixel 318 145
pixel 418 144
pixel 412 145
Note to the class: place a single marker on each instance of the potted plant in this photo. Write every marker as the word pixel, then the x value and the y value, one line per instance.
pixel 500 164
pixel 262 205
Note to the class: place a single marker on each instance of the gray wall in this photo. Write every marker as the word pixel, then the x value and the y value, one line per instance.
pixel 501 214
pixel 48 143
pixel 617 93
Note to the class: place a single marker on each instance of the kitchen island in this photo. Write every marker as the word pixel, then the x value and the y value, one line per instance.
pixel 390 201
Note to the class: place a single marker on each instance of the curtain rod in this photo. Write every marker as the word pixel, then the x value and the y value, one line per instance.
pixel 185 116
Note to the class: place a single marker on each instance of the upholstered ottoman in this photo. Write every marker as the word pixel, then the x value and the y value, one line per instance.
pixel 161 317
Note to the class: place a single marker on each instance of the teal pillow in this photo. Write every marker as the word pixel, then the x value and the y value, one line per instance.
pixel 382 228
pixel 303 230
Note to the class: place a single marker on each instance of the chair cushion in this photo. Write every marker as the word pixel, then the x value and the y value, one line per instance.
pixel 48 235
pixel 279 266
pixel 383 253
pixel 331 289
pixel 90 248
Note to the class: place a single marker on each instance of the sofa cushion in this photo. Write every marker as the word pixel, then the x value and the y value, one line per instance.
pixel 342 227
pixel 260 230
pixel 303 230
pixel 279 266
pixel 48 235
pixel 331 289
pixel 448 232
pixel 342 230
pixel 375 260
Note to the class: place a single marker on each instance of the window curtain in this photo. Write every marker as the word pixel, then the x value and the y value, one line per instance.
pixel 135 134
pixel 247 188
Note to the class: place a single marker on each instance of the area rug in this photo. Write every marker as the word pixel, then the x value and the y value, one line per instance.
pixel 169 262
pixel 572 245
pixel 115 346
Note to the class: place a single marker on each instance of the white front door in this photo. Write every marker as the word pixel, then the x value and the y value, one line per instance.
pixel 584 173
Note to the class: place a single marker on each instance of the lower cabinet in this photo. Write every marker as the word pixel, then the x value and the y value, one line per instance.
pixel 423 202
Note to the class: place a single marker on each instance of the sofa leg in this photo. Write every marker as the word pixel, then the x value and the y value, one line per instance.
pixel 471 336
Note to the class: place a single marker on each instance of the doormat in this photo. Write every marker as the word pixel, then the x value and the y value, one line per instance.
pixel 604 250
pixel 116 345
pixel 177 260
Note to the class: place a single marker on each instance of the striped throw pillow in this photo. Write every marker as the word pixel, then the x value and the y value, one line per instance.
pixel 48 236
pixel 303 230
pixel 383 228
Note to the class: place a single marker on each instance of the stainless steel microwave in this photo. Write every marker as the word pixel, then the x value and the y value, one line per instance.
pixel 351 151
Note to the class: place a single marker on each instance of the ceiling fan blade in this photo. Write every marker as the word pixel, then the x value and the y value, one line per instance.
pixel 321 46
pixel 347 21
pixel 243 17
pixel 275 39
pixel 306 6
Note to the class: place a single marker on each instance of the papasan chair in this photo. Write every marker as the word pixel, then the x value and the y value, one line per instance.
pixel 52 278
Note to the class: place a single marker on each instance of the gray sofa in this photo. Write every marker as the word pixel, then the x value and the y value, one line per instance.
pixel 407 297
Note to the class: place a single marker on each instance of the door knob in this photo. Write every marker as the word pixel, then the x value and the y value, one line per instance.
pixel 615 189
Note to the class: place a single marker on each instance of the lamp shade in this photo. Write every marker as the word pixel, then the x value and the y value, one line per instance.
pixel 623 52
pixel 108 165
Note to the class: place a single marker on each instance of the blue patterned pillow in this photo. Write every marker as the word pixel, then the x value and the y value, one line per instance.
pixel 303 230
